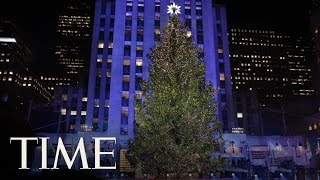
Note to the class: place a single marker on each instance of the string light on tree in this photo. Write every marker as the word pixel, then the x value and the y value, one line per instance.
pixel 174 9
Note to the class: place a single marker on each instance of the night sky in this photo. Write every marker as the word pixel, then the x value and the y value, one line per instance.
pixel 37 21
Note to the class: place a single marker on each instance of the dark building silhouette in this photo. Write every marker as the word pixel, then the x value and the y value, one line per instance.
pixel 275 64
pixel 73 42
pixel 18 86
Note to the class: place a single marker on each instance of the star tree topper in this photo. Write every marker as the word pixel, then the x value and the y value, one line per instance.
pixel 174 9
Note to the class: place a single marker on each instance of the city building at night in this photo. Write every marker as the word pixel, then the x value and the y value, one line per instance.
pixel 52 81
pixel 315 30
pixel 248 112
pixel 265 157
pixel 71 103
pixel 124 32
pixel 74 29
pixel 18 86
pixel 276 65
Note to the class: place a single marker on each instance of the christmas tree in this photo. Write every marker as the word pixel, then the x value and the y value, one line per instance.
pixel 178 130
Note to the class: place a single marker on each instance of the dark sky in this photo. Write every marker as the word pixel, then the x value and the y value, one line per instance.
pixel 288 15
pixel 37 24
pixel 37 21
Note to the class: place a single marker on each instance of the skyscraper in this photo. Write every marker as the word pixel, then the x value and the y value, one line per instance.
pixel 124 32
pixel 73 39
pixel 18 86
pixel 275 64
pixel 315 29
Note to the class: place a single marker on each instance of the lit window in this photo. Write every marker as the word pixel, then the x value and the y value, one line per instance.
pixel 139 62
pixel 125 112
pixel 64 97
pixel 63 111
pixel 157 31
pixel 83 113
pixel 9 79
pixel 220 51
pixel 310 128
pixel 222 77
pixel 110 45
pixel 126 62
pixel 100 45
pixel 73 113
pixel 239 115
pixel 108 74
pixel 125 94
pixel 139 48
pixel 138 95
pixel 99 60
pixel 189 33
pixel 126 78
pixel 315 126
pixel 84 99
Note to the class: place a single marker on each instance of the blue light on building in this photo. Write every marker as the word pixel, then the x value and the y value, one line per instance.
pixel 123 34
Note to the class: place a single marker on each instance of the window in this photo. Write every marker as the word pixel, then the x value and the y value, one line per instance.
pixel 124 120
pixel 140 21
pixel 138 95
pixel 126 62
pixel 199 24
pixel 128 21
pixel 64 97
pixel 200 38
pixel 124 131
pixel 110 36
pixel 157 34
pixel 125 102
pixel 101 35
pixel 189 33
pixel 129 8
pixel 140 35
pixel 100 45
pixel 126 78
pixel 198 12
pixel 139 62
pixel 112 22
pixel 239 115
pixel 63 111
pixel 188 23
pixel 139 52
pixel 222 78
pixel 102 22
pixel 187 10
pixel 127 36
pixel 157 7
pixel 157 21
pixel 138 83
pixel 127 50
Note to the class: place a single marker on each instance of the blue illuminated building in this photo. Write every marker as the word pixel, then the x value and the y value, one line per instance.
pixel 123 34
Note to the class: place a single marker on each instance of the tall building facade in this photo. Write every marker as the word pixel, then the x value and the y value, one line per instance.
pixel 123 34
pixel 74 29
pixel 274 64
pixel 315 30
pixel 18 86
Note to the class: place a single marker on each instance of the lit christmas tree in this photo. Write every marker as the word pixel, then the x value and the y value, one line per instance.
pixel 178 130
